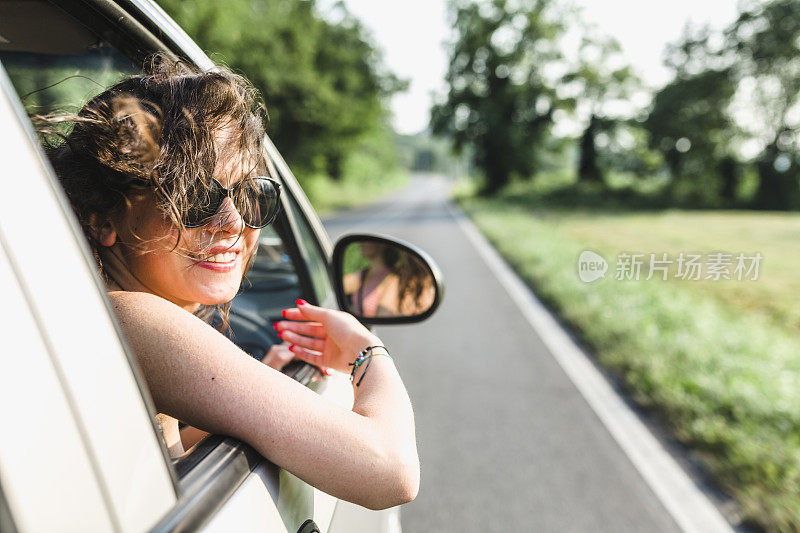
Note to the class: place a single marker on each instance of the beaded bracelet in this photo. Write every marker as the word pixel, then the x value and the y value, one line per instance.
pixel 365 355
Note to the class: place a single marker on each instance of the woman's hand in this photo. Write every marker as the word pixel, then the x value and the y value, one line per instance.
pixel 325 337
pixel 278 356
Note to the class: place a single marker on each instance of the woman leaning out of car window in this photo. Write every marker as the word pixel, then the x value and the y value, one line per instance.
pixel 166 174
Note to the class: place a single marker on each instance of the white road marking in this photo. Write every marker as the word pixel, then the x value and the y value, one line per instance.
pixel 689 507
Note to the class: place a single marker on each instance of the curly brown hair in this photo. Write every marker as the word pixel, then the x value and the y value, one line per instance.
pixel 156 131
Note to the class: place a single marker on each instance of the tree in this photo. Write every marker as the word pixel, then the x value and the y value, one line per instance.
pixel 689 124
pixel 322 81
pixel 597 80
pixel 765 40
pixel 689 120
pixel 499 103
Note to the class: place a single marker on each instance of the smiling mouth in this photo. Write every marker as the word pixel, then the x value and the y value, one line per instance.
pixel 224 257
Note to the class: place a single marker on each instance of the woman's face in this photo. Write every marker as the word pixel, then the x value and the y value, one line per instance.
pixel 205 268
pixel 371 250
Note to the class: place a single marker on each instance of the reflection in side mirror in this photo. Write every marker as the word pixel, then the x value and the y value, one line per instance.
pixel 382 281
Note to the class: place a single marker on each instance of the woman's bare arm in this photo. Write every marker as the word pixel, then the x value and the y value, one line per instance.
pixel 367 456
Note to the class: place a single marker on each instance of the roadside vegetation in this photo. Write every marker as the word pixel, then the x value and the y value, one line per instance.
pixel 716 361
pixel 573 152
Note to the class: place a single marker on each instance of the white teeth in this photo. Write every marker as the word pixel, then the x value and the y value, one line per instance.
pixel 226 257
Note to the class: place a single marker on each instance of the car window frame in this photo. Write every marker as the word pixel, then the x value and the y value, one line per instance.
pixel 296 219
pixel 7 524
pixel 116 25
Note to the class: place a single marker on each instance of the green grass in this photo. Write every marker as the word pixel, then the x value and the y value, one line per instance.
pixel 718 362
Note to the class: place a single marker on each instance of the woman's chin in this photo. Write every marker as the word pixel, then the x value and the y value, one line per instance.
pixel 217 297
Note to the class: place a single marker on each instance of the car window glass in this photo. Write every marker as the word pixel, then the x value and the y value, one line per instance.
pixel 49 83
pixel 55 62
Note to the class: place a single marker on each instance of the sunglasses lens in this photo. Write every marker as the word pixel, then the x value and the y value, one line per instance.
pixel 204 206
pixel 260 202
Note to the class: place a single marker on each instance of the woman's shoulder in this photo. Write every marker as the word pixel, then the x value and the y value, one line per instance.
pixel 143 300
pixel 351 282
pixel 142 309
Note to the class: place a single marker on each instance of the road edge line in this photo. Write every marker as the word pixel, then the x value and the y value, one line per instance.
pixel 684 501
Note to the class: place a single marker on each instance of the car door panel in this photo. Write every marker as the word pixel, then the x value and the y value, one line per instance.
pixel 350 518
pixel 43 457
pixel 245 511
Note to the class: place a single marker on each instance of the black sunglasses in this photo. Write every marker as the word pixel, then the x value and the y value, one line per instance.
pixel 256 199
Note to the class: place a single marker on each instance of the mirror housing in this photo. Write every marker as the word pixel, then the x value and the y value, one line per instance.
pixel 403 283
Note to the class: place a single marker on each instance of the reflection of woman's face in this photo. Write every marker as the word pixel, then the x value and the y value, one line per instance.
pixel 207 265
pixel 371 250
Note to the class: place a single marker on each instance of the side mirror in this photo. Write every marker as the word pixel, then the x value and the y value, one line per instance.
pixel 381 280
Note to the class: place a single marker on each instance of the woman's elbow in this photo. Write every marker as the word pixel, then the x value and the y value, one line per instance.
pixel 409 484
pixel 401 486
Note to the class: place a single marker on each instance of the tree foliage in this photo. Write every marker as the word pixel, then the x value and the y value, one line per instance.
pixel 499 102
pixel 322 81
pixel 765 40
pixel 599 78
pixel 690 125
pixel 732 94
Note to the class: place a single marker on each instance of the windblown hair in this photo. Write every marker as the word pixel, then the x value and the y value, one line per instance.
pixel 159 131
pixel 412 277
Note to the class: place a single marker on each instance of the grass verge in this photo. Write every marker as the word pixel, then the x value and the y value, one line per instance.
pixel 724 378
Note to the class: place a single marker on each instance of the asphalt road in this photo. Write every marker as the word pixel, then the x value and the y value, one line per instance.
pixel 506 441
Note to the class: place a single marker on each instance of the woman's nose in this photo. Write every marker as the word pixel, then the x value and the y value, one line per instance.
pixel 227 218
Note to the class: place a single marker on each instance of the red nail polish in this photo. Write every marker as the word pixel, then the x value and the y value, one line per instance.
pixel 275 326
pixel 291 347
pixel 284 313
pixel 301 302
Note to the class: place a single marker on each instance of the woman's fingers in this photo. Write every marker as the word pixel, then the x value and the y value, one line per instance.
pixel 293 314
pixel 311 312
pixel 306 311
pixel 301 340
pixel 279 355
pixel 309 329
pixel 309 356
pixel 312 357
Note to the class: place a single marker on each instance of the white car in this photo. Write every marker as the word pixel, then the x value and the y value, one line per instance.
pixel 80 449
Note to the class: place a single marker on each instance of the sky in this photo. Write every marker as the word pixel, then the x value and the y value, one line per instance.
pixel 412 34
